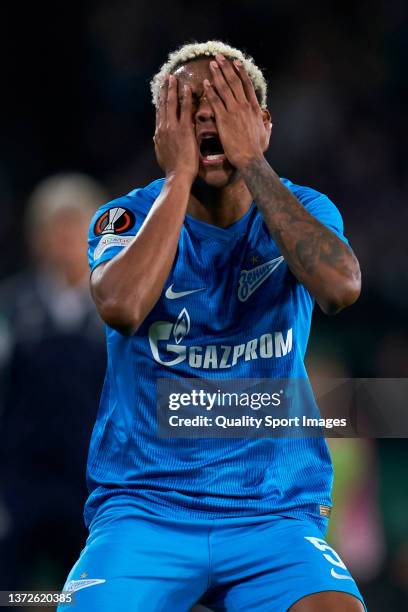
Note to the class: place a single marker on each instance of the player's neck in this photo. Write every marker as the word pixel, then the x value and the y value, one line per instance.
pixel 220 207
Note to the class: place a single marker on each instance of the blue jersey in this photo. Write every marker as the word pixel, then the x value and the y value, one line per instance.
pixel 230 308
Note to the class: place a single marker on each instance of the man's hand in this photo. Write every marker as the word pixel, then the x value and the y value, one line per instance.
pixel 318 258
pixel 175 142
pixel 126 288
pixel 244 129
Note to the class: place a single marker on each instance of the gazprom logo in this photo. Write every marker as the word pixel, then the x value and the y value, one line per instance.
pixel 181 326
pixel 166 343
pixel 250 280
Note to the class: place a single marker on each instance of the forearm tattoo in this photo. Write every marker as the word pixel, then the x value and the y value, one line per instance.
pixel 305 243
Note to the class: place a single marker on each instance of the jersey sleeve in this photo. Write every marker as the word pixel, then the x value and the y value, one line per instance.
pixel 327 213
pixel 112 228
pixel 321 207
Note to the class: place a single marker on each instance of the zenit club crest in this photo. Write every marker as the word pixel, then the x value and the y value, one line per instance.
pixel 250 280
pixel 115 221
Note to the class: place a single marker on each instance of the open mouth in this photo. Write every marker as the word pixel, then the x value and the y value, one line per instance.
pixel 211 150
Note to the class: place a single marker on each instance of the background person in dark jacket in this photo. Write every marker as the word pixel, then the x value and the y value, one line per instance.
pixel 52 360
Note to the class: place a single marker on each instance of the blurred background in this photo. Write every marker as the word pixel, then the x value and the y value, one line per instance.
pixel 76 130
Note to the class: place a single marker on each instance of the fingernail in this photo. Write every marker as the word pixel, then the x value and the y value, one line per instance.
pixel 213 64
pixel 238 63
pixel 206 83
pixel 220 57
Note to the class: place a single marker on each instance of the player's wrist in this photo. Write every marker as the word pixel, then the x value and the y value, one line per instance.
pixel 250 161
pixel 180 176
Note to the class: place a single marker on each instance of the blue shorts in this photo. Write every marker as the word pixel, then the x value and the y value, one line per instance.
pixel 137 561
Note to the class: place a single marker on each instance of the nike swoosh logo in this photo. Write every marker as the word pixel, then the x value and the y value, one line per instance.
pixel 341 576
pixel 77 585
pixel 174 295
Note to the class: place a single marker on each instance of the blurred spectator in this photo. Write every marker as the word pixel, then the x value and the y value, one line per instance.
pixel 52 364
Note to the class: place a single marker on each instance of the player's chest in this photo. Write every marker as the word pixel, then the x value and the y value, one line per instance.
pixel 222 284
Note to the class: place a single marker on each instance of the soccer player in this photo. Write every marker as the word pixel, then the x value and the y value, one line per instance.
pixel 236 524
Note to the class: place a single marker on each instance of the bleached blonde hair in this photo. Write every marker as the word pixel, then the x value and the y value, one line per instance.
pixel 195 50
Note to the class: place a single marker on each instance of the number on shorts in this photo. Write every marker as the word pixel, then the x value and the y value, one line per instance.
pixel 333 557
